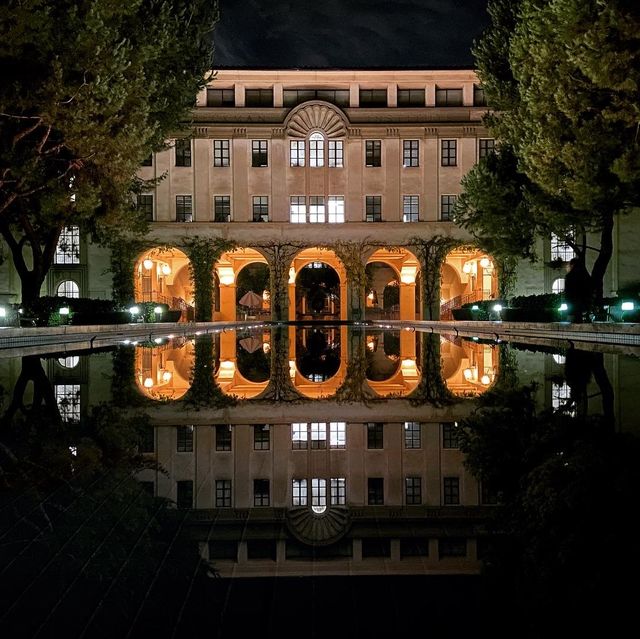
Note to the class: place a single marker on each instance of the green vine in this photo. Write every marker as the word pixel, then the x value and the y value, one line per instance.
pixel 355 387
pixel 507 275
pixel 279 256
pixel 123 258
pixel 203 254
pixel 351 254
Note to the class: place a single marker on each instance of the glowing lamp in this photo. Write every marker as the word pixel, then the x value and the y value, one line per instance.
pixel 627 306
pixel 485 380
pixel 64 310
pixel 148 264
pixel 226 275
pixel 158 340
pixel 158 310
pixel 166 377
pixel 485 262
pixel 292 275
pixel 166 269
pixel 3 311
pixel 475 307
pixel 468 374
pixel 563 307
pixel 497 307
pixel 466 267
pixel 148 382
pixel 408 274
pixel 134 310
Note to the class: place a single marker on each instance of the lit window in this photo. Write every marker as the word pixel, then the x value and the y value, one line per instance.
pixel 71 361
pixel 297 209
pixel 336 209
pixel 183 152
pixel 338 491
pixel 259 153
pixel 68 288
pixel 411 98
pixel 448 152
pixel 558 285
pixel 451 491
pixel 299 436
pixel 336 153
pixel 296 150
pixel 337 434
pixel 375 437
pixel 559 359
pixel 560 249
pixel 184 490
pixel 144 204
pixel 261 437
pixel 373 153
pixel 412 438
pixel 184 211
pixel 319 495
pixel 260 208
pixel 560 395
pixel 373 208
pixel 221 155
pixel 222 208
pixel 223 493
pixel 299 492
pixel 450 438
pixel 316 150
pixel 220 98
pixel 375 491
pixel 447 204
pixel 223 437
pixel 486 147
pixel 184 436
pixel 410 208
pixel 410 152
pixel 448 97
pixel 68 248
pixel 413 490
pixel 68 401
pixel 260 492
pixel 316 209
pixel 318 434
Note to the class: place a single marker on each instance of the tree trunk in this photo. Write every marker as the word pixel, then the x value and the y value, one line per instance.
pixel 31 283
pixel 604 257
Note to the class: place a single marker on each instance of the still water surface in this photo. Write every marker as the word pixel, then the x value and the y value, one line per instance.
pixel 306 475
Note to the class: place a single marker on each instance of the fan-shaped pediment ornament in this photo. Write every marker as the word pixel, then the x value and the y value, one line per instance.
pixel 318 529
pixel 314 116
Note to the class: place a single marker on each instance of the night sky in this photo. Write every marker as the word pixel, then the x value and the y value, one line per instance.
pixel 348 33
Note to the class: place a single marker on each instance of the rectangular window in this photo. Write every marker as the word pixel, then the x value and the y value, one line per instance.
pixel 338 491
pixel 260 208
pixel 450 435
pixel 375 437
pixel 412 435
pixel 296 152
pixel 223 437
pixel 184 494
pixel 297 209
pixel 336 153
pixel 448 152
pixel 223 493
pixel 148 161
pixel 479 96
pixel 375 491
pixel 293 97
pixel 221 98
pixel 336 209
pixel 410 208
pixel 373 153
pixel 318 434
pixel 561 250
pixel 184 437
pixel 221 154
pixel 448 97
pixel 316 150
pixel 373 98
pixel 183 152
pixel 261 436
pixel 222 208
pixel 184 211
pixel 413 490
pixel 447 205
pixel 145 205
pixel 373 208
pixel 452 547
pixel 68 248
pixel 486 146
pixel 298 492
pixel 318 493
pixel 299 436
pixel 337 434
pixel 259 153
pixel 451 491
pixel 261 492
pixel 411 98
pixel 410 153
pixel 258 97
pixel 68 401
pixel 316 209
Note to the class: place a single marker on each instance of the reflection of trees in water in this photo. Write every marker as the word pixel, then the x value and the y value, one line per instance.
pixel 316 357
pixel 565 532
pixel 432 388
pixel 383 356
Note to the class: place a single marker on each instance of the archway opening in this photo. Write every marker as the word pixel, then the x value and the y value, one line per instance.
pixel 468 368
pixel 162 276
pixel 252 292
pixel 467 275
pixel 163 372
pixel 318 292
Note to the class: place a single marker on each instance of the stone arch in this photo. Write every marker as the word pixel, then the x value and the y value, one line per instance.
pixel 163 372
pixel 161 274
pixel 316 115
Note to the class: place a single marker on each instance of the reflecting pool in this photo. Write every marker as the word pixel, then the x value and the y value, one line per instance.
pixel 277 475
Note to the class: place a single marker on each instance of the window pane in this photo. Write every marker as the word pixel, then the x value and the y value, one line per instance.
pixel 222 208
pixel 336 153
pixel 412 435
pixel 410 153
pixel 299 436
pixel 260 208
pixel 184 437
pixel 375 438
pixel 221 153
pixel 183 152
pixel 410 208
pixel 259 153
pixel 373 153
pixel 338 435
pixel 373 208
pixel 297 209
pixel 68 288
pixel 448 152
pixel 68 248
pixel 183 208
pixel 316 209
pixel 299 492
pixel 258 97
pixel 316 150
pixel 336 209
pixel 223 437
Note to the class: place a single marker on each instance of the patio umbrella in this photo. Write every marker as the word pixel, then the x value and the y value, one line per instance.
pixel 251 344
pixel 251 299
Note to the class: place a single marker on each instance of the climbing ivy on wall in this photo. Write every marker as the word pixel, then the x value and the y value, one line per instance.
pixel 203 253
pixel 123 258
pixel 351 254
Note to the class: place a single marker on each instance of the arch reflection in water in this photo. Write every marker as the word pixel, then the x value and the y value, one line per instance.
pixel 163 371
pixel 391 363
pixel 468 367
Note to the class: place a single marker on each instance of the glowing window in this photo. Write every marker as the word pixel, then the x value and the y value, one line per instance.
pixel 68 248
pixel 299 436
pixel 336 153
pixel 70 361
pixel 412 433
pixel 319 495
pixel 68 401
pixel 68 288
pixel 316 149
pixel 560 249
pixel 558 285
pixel 338 491
pixel 299 492
pixel 318 434
pixel 297 209
pixel 336 209
pixel 316 209
pixel 338 435
pixel 296 152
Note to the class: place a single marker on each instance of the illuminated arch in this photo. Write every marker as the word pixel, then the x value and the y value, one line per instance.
pixel 469 368
pixel 162 275
pixel 163 372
